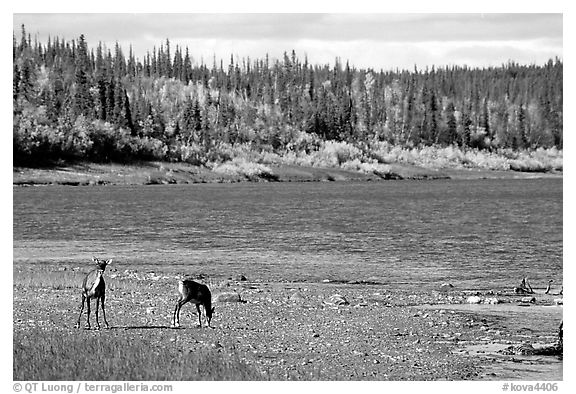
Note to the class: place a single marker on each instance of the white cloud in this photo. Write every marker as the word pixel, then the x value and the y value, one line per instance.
pixel 366 40
pixel 372 54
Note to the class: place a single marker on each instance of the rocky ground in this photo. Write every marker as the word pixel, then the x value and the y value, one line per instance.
pixel 315 331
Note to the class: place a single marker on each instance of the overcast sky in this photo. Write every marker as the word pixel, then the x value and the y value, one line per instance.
pixel 371 40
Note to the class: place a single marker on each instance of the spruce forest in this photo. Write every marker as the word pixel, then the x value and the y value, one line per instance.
pixel 72 103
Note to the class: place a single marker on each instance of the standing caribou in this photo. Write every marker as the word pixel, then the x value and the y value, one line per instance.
pixel 93 286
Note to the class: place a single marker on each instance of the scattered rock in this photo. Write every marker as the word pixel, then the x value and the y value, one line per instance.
pixel 228 297
pixel 474 300
pixel 297 297
pixel 336 299
pixel 368 281
pixel 528 300
pixel 520 290
pixel 217 345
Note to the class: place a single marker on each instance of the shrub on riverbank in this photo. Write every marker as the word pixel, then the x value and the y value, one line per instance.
pixel 377 158
pixel 244 168
pixel 100 142
pixel 541 159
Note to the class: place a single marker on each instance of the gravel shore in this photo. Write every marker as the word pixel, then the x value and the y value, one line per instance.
pixel 317 331
pixel 161 173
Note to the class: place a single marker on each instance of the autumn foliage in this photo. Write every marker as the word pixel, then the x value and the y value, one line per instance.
pixel 71 103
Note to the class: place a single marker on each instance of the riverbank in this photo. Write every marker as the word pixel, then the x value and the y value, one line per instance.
pixel 274 330
pixel 157 173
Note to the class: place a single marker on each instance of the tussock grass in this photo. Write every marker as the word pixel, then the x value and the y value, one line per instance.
pixel 69 279
pixel 58 280
pixel 89 355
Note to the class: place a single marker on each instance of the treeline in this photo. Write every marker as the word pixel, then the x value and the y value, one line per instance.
pixel 72 103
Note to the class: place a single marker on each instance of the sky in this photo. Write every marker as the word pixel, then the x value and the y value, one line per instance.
pixel 377 40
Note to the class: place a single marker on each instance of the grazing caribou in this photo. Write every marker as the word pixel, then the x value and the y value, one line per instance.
pixel 196 293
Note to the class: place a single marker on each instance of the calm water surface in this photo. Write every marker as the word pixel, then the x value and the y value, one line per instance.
pixel 477 234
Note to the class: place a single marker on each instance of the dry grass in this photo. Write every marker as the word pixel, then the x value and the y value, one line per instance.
pixel 92 355
pixel 72 279
pixel 57 280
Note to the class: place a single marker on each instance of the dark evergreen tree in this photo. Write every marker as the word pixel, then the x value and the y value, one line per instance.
pixel 82 100
pixel 187 68
pixel 451 134
pixel 15 82
pixel 127 115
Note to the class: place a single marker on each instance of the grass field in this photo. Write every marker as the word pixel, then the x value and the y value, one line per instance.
pixel 107 355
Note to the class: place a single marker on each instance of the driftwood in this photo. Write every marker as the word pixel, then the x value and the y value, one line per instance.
pixel 526 349
pixel 549 287
pixel 524 287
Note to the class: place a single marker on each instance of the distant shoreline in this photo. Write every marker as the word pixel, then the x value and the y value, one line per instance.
pixel 158 173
